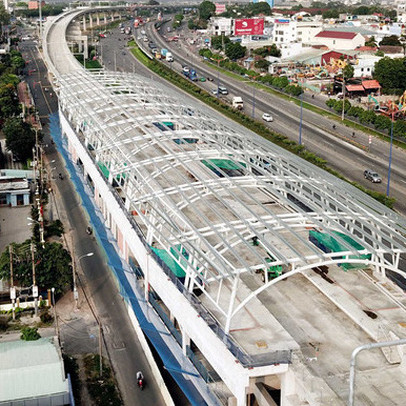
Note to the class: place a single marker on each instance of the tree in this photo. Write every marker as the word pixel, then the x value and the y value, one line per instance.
pixel 153 3
pixel 52 265
pixel 9 103
pixel 391 40
pixel 9 78
pixel 206 10
pixel 399 129
pixel 4 16
pixel 391 73
pixel 235 50
pixel 271 50
pixel 20 137
pixel 348 71
pixel 371 42
pixel 30 334
pixel 262 64
pixel 331 14
pixel 218 41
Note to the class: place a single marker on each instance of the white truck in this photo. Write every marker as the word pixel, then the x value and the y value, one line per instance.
pixel 238 103
pixel 169 57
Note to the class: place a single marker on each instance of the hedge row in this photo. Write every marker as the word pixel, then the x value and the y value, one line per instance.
pixel 248 122
pixel 380 122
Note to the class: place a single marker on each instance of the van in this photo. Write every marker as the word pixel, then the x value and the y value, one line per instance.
pixel 223 90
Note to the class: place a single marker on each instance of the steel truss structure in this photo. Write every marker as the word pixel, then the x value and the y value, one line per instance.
pixel 219 201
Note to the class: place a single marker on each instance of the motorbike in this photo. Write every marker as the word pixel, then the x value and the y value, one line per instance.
pixel 89 230
pixel 141 383
pixel 60 176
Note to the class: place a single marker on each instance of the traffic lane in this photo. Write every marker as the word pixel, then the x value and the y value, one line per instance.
pixel 377 163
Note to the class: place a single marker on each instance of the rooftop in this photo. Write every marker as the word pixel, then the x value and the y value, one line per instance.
pixel 31 369
pixel 336 34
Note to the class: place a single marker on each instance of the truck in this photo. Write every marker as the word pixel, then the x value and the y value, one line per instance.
pixel 164 51
pixel 169 57
pixel 238 103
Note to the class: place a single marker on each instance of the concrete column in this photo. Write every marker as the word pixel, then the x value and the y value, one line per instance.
pixel 86 49
pixel 26 200
pixel 84 22
pixel 105 18
pixel 91 20
pixel 97 19
pixel 185 342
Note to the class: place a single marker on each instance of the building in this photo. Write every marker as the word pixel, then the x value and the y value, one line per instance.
pixel 222 26
pixel 365 65
pixel 32 373
pixel 339 40
pixel 14 191
pixel 34 4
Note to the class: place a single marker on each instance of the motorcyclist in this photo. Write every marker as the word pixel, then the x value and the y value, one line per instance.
pixel 140 376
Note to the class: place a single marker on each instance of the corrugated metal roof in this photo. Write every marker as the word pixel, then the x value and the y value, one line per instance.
pixel 336 34
pixel 30 369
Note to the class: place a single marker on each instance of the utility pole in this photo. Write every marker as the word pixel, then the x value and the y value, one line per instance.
pixel 40 20
pixel 100 348
pixel 34 286
pixel 342 113
pixel 12 288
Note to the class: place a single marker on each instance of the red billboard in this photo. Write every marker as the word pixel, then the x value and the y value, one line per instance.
pixel 249 26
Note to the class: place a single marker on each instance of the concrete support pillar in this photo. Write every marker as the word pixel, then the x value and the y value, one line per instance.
pixel 86 48
pixel 84 22
pixel 105 18
pixel 91 20
pixel 97 19
pixel 185 342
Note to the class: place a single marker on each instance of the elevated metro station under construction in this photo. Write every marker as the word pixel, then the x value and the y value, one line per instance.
pixel 266 270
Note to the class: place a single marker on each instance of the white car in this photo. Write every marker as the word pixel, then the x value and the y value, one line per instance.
pixel 267 117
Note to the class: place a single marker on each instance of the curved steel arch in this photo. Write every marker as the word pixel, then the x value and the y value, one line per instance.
pixel 213 214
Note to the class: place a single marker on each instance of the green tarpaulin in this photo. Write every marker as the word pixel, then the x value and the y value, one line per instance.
pixel 222 163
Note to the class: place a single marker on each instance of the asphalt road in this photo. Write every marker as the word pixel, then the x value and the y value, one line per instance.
pixel 124 348
pixel 318 134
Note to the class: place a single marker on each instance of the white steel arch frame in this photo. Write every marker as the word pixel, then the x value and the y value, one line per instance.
pixel 200 190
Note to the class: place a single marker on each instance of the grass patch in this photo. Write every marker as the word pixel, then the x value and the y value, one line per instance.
pixel 103 390
pixel 248 122
pixel 89 64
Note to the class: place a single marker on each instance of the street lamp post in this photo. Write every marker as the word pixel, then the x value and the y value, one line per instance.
pixel 253 98
pixel 75 290
pixel 301 116
pixel 390 156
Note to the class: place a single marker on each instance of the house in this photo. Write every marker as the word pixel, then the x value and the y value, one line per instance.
pixel 365 65
pixel 32 373
pixel 14 191
pixel 221 26
pixel 339 40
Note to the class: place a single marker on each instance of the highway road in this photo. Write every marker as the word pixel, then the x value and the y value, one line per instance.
pixel 128 357
pixel 318 134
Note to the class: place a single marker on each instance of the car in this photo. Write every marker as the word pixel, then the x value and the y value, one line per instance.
pixel 209 79
pixel 215 92
pixel 185 69
pixel 267 117
pixel 145 39
pixel 372 176
pixel 202 79
pixel 223 90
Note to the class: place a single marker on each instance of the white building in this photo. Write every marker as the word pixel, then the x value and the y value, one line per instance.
pixel 365 65
pixel 222 26
pixel 307 30
pixel 339 40
pixel 284 31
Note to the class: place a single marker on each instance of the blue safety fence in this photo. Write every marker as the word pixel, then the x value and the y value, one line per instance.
pixel 171 364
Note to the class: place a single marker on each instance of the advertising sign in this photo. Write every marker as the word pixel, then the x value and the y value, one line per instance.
pixel 249 26
pixel 220 8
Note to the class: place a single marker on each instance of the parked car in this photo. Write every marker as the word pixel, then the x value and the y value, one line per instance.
pixel 185 69
pixel 372 176
pixel 267 117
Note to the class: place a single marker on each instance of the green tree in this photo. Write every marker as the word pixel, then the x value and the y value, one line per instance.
pixel 9 78
pixel 399 129
pixel 206 10
pixel 177 20
pixel 9 103
pixel 379 53
pixel 4 17
pixel 235 50
pixel 390 40
pixel 52 267
pixel 272 50
pixel 382 123
pixel 260 8
pixel 218 41
pixel 391 73
pixel 331 14
pixel 371 42
pixel 20 137
pixel 30 334
pixel 262 64
pixel 348 71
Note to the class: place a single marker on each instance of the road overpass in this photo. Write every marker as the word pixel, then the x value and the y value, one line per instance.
pixel 266 270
